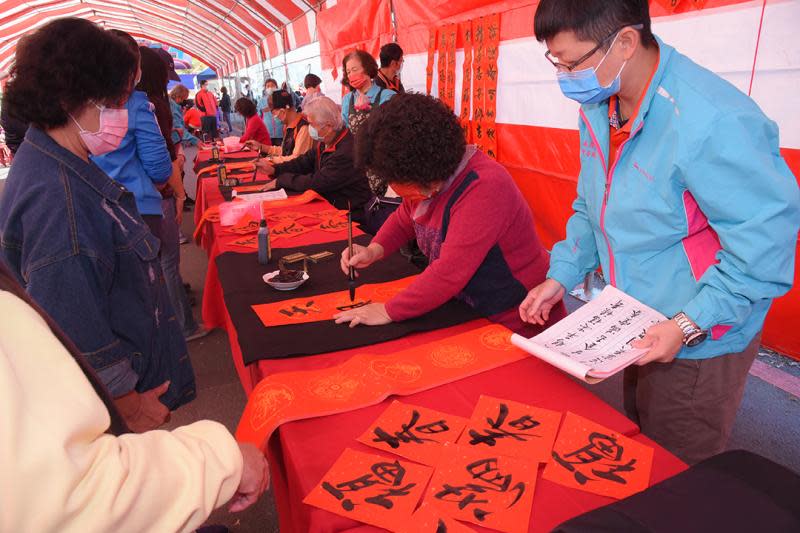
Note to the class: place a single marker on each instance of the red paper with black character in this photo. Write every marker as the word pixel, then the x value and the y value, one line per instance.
pixel 481 487
pixel 511 428
pixel 371 488
pixel 413 432
pixel 590 457
pixel 325 306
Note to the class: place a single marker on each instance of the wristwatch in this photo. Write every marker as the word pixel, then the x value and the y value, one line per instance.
pixel 692 334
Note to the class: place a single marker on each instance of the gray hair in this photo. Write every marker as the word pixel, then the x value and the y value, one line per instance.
pixel 325 112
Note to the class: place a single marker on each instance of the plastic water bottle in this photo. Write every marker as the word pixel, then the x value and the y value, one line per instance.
pixel 264 247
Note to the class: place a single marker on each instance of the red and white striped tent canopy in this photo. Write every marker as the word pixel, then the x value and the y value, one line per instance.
pixel 227 35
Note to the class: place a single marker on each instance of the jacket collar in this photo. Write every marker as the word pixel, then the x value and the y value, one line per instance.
pixel 339 136
pixel 598 113
pixel 90 173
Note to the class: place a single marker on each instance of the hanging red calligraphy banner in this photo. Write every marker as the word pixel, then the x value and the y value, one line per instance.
pixel 478 111
pixel 491 40
pixel 466 89
pixel 429 68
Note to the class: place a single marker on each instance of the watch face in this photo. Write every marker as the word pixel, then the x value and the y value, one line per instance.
pixel 697 339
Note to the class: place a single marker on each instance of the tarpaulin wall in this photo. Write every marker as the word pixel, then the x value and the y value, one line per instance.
pixel 752 44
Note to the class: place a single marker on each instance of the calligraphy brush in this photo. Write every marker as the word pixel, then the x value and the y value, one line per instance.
pixel 351 284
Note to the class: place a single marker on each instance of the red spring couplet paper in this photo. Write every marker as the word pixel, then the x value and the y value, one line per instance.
pixel 247 224
pixel 413 432
pixel 367 379
pixel 590 457
pixel 484 488
pixel 324 306
pixel 429 519
pixel 511 428
pixel 250 241
pixel 371 488
pixel 287 229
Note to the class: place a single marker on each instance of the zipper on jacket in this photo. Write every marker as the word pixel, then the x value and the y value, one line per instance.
pixel 607 189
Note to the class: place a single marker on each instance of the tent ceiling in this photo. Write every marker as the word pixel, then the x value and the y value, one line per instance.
pixel 214 31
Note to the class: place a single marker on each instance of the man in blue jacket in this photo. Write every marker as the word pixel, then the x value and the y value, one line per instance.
pixel 685 203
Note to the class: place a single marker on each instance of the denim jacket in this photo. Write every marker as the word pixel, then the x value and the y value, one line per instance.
pixel 75 240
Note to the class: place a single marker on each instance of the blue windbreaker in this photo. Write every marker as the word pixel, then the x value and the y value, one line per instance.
pixel 699 213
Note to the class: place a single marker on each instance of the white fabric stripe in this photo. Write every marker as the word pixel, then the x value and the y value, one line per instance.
pixel 311 18
pixel 720 39
pixel 290 36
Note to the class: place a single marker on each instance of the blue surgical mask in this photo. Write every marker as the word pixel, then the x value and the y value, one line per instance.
pixel 312 131
pixel 583 85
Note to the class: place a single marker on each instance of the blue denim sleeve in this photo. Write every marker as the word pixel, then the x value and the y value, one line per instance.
pixel 74 291
pixel 151 146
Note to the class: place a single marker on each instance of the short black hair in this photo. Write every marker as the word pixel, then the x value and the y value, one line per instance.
pixel 412 138
pixel 311 80
pixel 390 52
pixel 592 20
pixel 270 80
pixel 224 90
pixel 368 63
pixel 65 64
pixel 245 107
pixel 281 99
pixel 203 82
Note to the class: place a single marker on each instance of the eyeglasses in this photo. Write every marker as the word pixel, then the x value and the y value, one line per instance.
pixel 572 66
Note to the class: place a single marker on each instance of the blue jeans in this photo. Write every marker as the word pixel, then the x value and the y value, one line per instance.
pixel 171 265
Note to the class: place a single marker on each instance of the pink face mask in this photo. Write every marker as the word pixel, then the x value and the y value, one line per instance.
pixel 108 137
pixel 359 81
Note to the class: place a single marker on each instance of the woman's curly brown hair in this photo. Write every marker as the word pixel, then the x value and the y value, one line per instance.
pixel 64 65
pixel 412 138
pixel 368 63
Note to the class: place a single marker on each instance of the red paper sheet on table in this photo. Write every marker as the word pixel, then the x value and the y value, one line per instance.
pixel 413 432
pixel 333 224
pixel 590 457
pixel 288 229
pixel 324 306
pixel 429 519
pixel 371 488
pixel 367 379
pixel 246 242
pixel 246 224
pixel 484 488
pixel 512 428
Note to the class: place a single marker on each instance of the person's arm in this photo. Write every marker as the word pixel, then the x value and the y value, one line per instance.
pixel 575 256
pixel 150 145
pixel 334 172
pixel 298 172
pixel 751 200
pixel 68 474
pixel 398 229
pixel 470 236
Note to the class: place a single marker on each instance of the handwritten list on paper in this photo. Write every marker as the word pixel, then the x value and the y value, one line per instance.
pixel 597 336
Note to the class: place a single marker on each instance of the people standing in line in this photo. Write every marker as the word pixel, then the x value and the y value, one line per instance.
pixel 206 102
pixel 225 107
pixel 73 236
pixel 296 139
pixel 155 72
pixel 685 202
pixel 391 57
pixel 274 126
